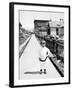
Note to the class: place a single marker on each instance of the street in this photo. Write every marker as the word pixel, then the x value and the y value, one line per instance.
pixel 29 62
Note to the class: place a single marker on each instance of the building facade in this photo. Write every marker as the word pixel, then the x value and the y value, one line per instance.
pixel 42 27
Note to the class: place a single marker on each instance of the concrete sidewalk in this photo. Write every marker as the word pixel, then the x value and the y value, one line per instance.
pixel 29 61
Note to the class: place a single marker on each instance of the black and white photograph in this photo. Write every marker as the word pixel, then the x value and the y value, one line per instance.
pixel 41 44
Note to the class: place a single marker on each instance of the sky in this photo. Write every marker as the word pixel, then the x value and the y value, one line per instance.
pixel 27 17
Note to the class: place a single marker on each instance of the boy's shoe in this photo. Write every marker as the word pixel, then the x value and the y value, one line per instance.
pixel 45 71
pixel 40 71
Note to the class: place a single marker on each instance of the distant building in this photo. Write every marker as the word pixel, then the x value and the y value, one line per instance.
pixel 57 28
pixel 47 27
pixel 42 27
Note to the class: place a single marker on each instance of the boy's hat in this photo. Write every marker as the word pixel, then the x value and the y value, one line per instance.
pixel 43 42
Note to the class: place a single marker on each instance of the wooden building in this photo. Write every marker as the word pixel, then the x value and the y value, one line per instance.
pixel 46 27
pixel 42 27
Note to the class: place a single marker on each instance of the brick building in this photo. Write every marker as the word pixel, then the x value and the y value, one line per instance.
pixel 42 27
pixel 47 27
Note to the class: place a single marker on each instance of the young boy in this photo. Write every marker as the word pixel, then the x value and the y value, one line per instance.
pixel 44 54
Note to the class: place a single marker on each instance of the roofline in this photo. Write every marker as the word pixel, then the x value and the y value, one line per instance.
pixel 41 21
